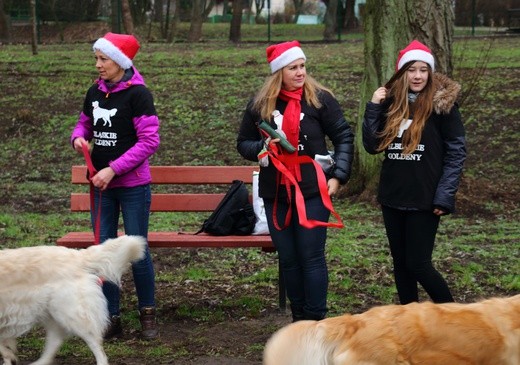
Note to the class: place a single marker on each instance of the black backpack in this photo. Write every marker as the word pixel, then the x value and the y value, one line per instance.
pixel 234 215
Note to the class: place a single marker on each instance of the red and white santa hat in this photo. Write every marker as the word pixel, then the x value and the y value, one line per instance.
pixel 121 48
pixel 415 51
pixel 282 54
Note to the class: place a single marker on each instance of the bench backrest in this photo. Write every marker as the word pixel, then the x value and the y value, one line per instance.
pixel 175 175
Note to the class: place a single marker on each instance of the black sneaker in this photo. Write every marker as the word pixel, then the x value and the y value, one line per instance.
pixel 114 329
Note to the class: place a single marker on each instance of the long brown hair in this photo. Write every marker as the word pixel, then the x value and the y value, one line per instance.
pixel 400 108
pixel 265 100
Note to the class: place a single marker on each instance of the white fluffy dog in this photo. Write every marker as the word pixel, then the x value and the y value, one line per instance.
pixel 60 288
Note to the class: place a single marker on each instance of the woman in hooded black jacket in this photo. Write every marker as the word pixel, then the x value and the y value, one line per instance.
pixel 306 113
pixel 415 121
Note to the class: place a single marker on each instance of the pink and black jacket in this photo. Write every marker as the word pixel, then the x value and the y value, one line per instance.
pixel 121 122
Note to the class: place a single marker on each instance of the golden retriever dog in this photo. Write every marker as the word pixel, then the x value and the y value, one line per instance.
pixel 60 288
pixel 483 333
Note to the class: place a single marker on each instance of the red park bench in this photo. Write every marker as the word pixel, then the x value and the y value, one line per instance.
pixel 181 202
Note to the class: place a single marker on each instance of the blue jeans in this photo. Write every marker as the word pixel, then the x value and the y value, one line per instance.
pixel 302 257
pixel 134 203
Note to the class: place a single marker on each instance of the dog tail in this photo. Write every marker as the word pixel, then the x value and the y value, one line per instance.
pixel 111 259
pixel 300 343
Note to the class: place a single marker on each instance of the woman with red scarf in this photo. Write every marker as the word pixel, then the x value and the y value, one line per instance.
pixel 296 188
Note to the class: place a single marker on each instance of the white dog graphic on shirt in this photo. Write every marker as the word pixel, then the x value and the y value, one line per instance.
pixel 405 124
pixel 100 113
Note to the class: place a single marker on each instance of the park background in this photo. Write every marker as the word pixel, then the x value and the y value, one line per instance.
pixel 220 306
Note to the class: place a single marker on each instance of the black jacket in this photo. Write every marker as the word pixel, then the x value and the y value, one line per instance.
pixel 315 126
pixel 429 177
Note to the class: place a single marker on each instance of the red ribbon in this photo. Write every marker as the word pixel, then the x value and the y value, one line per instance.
pixel 91 172
pixel 278 161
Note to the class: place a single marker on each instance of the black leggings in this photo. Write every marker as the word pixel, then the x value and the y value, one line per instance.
pixel 411 235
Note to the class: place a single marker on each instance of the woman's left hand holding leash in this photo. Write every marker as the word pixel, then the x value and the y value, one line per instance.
pixel 103 178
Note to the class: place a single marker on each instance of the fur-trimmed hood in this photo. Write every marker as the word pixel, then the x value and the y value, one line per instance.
pixel 446 93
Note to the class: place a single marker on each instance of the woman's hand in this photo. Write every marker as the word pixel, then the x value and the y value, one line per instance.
pixel 103 178
pixel 439 212
pixel 379 95
pixel 78 143
pixel 333 186
pixel 273 141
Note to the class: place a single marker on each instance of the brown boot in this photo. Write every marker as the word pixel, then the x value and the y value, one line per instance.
pixel 114 329
pixel 148 323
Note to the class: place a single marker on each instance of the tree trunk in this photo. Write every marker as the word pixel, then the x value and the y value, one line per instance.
pixel 175 21
pixel 298 4
pixel 165 23
pixel 199 13
pixel 195 33
pixel 433 24
pixel 90 11
pixel 158 12
pixel 158 16
pixel 389 26
pixel 331 17
pixel 34 42
pixel 5 25
pixel 249 9
pixel 259 4
pixel 115 18
pixel 236 21
pixel 128 23
pixel 349 18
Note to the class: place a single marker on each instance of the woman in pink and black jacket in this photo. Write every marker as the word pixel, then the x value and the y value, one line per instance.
pixel 120 123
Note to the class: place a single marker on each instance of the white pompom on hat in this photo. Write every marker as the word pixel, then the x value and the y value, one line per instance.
pixel 282 54
pixel 121 48
pixel 415 51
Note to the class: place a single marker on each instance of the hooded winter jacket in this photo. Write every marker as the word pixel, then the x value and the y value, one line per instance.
pixel 121 121
pixel 429 177
pixel 315 126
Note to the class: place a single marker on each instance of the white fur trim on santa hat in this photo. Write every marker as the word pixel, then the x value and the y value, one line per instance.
pixel 292 54
pixel 113 52
pixel 417 55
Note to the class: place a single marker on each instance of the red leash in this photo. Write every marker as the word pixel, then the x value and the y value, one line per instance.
pixel 277 161
pixel 91 172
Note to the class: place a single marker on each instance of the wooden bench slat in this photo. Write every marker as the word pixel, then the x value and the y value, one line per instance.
pixel 185 174
pixel 176 239
pixel 80 202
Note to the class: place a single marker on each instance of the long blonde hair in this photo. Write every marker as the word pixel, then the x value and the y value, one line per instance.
pixel 265 100
pixel 401 108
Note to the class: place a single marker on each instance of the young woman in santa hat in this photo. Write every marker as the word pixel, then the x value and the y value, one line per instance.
pixel 296 191
pixel 121 124
pixel 415 121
